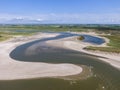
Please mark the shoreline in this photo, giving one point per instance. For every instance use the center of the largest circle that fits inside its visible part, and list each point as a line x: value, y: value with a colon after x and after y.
x: 111, y: 58
x: 74, y: 44
x: 13, y: 70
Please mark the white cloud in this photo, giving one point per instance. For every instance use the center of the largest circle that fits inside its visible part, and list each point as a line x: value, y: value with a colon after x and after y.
x: 62, y: 18
x: 39, y: 19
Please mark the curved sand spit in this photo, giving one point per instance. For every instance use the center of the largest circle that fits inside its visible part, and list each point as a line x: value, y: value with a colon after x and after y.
x: 11, y: 69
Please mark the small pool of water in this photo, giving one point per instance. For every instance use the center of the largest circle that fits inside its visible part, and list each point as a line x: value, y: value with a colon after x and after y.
x: 93, y: 39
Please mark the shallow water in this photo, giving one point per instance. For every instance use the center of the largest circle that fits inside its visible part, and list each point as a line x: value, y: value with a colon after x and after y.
x: 105, y: 77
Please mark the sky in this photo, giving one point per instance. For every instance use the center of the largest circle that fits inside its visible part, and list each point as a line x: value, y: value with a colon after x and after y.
x: 60, y: 11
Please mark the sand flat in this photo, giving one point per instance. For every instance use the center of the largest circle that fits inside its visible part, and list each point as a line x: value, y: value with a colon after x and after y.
x: 11, y: 69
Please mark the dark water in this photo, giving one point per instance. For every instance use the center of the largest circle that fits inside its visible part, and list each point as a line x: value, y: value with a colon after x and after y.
x: 105, y: 76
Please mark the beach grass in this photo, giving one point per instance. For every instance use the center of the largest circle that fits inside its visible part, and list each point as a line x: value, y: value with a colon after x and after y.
x: 4, y: 36
x: 105, y: 49
x: 81, y: 38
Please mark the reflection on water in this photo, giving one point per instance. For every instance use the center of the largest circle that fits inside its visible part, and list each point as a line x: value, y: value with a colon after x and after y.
x: 105, y: 76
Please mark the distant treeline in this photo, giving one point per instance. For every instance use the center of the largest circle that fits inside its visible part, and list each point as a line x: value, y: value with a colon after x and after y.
x: 86, y: 26
x: 103, y: 27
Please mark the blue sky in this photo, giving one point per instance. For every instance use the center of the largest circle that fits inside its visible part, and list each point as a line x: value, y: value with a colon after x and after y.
x: 60, y: 11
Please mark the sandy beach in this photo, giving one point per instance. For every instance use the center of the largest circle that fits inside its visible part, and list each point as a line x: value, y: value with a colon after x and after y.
x: 11, y: 69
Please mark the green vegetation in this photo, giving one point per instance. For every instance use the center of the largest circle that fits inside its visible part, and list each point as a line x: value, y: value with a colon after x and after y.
x: 111, y: 29
x: 6, y: 34
x: 7, y: 31
x: 114, y: 45
x: 41, y: 28
x: 105, y: 49
x: 114, y: 40
x: 4, y: 37
x: 81, y: 38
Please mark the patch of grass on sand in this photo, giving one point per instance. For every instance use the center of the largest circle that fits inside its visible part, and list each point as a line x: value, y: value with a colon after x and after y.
x: 81, y: 38
x: 105, y: 49
x: 114, y: 45
x: 4, y: 37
